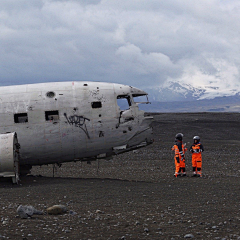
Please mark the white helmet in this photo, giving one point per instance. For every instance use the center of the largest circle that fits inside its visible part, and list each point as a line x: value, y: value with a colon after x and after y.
x: 196, y: 138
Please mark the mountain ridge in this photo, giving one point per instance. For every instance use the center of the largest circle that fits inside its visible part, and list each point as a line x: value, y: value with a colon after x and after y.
x: 218, y: 104
x: 176, y: 91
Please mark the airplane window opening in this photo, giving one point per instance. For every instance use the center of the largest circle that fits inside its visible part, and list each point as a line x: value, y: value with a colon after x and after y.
x: 50, y: 94
x: 96, y: 104
x: 51, y: 115
x: 20, y: 118
x: 124, y: 102
x: 139, y: 98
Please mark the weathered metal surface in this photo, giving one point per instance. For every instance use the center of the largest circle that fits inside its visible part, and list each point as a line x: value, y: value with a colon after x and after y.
x: 89, y: 121
x: 9, y: 156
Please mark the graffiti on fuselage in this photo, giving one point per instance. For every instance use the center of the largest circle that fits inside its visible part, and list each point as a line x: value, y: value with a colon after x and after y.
x: 96, y: 95
x: 78, y: 121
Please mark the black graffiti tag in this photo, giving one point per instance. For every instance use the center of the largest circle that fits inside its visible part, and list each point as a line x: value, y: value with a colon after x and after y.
x: 78, y: 121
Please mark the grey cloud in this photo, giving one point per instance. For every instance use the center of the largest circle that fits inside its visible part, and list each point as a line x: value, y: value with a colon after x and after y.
x: 136, y: 42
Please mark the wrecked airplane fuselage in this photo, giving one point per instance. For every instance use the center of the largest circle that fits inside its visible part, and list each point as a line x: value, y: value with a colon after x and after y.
x: 71, y: 121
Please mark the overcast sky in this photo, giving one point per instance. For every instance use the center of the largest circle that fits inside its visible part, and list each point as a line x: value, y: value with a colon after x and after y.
x: 136, y: 42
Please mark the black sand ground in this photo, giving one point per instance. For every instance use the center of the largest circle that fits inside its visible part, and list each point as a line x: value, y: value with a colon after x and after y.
x: 135, y: 196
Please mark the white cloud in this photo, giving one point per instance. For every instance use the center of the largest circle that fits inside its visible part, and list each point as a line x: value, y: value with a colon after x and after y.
x: 136, y: 42
x: 224, y: 81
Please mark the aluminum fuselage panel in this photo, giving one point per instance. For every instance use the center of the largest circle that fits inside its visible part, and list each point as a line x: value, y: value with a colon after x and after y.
x: 81, y: 120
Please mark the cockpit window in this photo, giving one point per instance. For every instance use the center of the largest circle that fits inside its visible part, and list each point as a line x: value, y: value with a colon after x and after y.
x: 140, y: 98
x: 124, y: 102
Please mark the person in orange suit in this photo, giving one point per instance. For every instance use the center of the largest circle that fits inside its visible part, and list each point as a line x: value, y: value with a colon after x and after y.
x: 179, y: 157
x: 196, y: 149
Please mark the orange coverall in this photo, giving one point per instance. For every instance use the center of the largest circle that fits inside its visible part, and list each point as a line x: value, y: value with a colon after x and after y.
x: 179, y: 158
x: 196, y: 149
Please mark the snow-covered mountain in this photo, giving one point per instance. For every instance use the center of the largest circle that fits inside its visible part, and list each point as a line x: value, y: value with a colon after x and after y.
x: 176, y: 91
x: 182, y: 97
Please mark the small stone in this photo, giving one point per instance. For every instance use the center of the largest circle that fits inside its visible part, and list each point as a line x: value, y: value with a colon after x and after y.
x: 56, y: 209
x: 189, y: 236
x: 146, y: 230
x: 72, y: 213
x: 27, y: 211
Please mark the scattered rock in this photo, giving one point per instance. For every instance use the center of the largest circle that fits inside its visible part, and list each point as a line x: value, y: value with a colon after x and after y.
x: 98, y: 218
x: 146, y: 230
x: 107, y: 190
x: 71, y: 212
x: 56, y: 209
x: 99, y: 211
x: 189, y: 236
x: 27, y: 211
